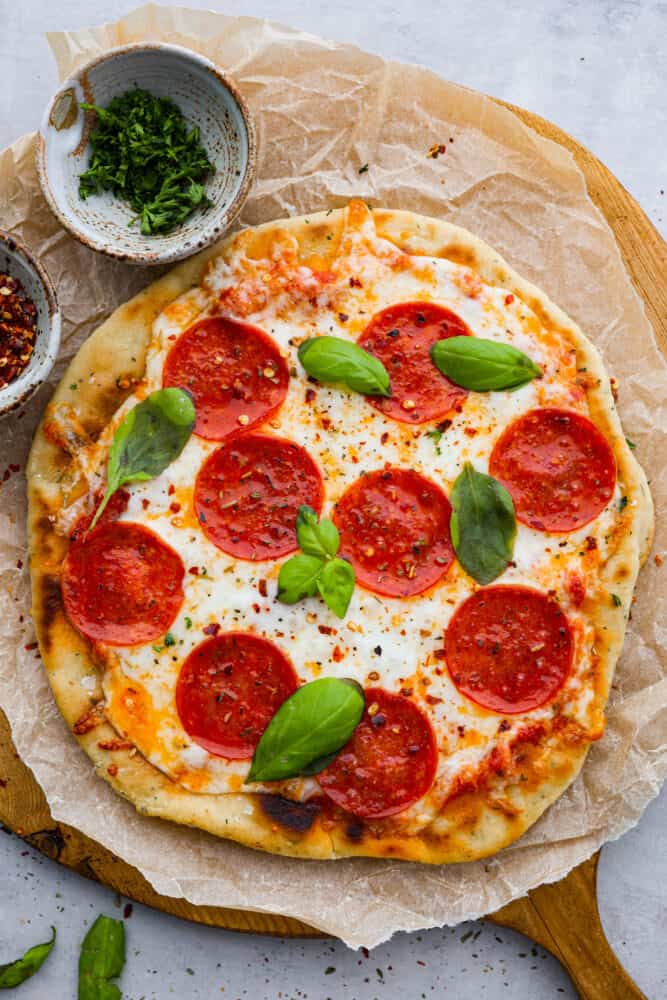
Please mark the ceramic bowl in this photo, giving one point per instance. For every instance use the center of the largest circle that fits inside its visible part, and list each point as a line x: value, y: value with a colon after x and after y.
x: 205, y: 96
x: 17, y: 261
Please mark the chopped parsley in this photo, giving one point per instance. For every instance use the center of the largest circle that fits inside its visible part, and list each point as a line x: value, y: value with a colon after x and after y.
x: 364, y: 169
x: 631, y: 444
x: 616, y: 600
x: 169, y: 640
x: 143, y: 152
x: 188, y: 621
x: 436, y: 436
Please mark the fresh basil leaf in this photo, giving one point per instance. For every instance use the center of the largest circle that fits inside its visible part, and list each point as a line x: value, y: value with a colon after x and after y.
x: 335, y: 584
x: 102, y: 958
x: 151, y: 436
x: 483, y: 365
x: 314, y: 722
x: 332, y: 359
x: 483, y: 524
x: 298, y: 578
x: 318, y: 765
x: 316, y: 538
x: 15, y: 973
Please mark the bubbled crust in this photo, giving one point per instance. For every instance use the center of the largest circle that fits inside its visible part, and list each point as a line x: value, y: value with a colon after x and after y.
x: 473, y: 824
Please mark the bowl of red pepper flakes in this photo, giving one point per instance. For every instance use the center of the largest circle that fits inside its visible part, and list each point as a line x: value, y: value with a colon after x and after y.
x: 29, y: 324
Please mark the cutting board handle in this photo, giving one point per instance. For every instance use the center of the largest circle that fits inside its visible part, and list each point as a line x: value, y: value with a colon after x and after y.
x: 564, y: 918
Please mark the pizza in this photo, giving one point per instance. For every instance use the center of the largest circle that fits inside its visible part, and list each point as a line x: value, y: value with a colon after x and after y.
x: 366, y: 593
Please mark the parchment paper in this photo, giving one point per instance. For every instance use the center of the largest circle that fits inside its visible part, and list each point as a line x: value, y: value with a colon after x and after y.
x: 323, y: 111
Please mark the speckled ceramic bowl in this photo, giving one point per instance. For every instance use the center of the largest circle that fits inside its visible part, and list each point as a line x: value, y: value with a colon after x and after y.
x: 205, y: 97
x: 17, y: 261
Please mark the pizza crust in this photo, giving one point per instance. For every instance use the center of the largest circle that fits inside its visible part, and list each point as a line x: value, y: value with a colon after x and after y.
x: 471, y: 825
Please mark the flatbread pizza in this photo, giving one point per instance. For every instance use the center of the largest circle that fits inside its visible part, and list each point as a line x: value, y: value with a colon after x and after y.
x: 334, y: 533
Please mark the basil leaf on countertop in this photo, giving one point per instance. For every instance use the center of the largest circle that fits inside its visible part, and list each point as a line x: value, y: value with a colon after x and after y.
x: 336, y: 585
x: 483, y: 365
x: 483, y: 524
x: 102, y: 958
x: 332, y: 359
x: 314, y: 722
x: 14, y: 973
x: 316, y: 538
x: 316, y: 569
x: 298, y: 578
x: 150, y: 437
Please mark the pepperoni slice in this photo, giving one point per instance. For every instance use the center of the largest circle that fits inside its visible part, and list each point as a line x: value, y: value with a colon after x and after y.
x: 394, y: 529
x: 248, y: 494
x: 233, y: 370
x: 509, y: 648
x: 121, y: 584
x: 389, y: 762
x: 401, y: 338
x: 558, y: 468
x: 229, y: 689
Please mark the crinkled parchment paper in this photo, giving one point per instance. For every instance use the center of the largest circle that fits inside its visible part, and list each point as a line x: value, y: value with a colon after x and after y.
x: 323, y: 111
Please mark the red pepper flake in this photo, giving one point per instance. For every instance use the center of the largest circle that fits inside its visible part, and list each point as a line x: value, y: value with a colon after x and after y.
x: 112, y: 770
x: 171, y: 490
x: 355, y: 283
x: 384, y: 437
x: 19, y: 564
x: 343, y: 317
x: 432, y: 700
x: 470, y: 432
x: 591, y: 543
x: 194, y: 571
x: 145, y: 503
x: 18, y: 330
x: 261, y: 586
x: 31, y: 646
x: 657, y: 559
x: 211, y: 629
x: 14, y: 468
x: 116, y: 744
x: 5, y: 475
x: 325, y: 629
x: 337, y: 654
x: 310, y: 395
x: 509, y: 299
x: 174, y: 507
x: 438, y: 149
x: 439, y: 654
x: 127, y: 912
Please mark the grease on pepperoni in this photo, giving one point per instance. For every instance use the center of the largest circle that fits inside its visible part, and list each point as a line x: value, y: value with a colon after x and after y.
x: 401, y: 338
x: 234, y: 372
x: 229, y: 689
x: 509, y: 648
x: 394, y: 529
x: 121, y: 584
x: 558, y: 468
x: 388, y: 764
x: 248, y: 494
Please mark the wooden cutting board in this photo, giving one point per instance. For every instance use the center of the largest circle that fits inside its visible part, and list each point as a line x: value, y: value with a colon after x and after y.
x: 563, y: 917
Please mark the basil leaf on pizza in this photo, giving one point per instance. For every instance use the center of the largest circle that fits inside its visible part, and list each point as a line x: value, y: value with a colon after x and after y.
x: 483, y: 524
x: 316, y: 569
x: 333, y: 360
x: 316, y: 538
x: 335, y: 584
x: 102, y: 958
x: 483, y: 365
x: 14, y: 973
x: 298, y: 578
x: 312, y: 724
x: 150, y: 437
